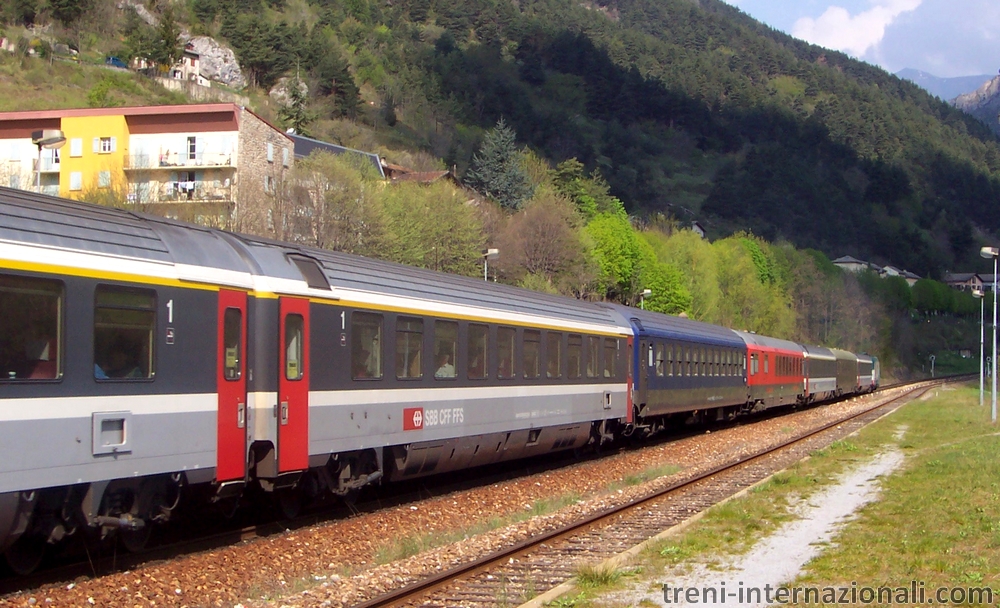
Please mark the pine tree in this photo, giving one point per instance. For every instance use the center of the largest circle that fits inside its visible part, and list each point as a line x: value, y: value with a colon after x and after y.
x: 295, y: 113
x: 496, y: 170
x: 167, y: 48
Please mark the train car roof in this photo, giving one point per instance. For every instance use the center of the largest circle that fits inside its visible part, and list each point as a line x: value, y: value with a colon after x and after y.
x: 657, y: 325
x: 843, y: 354
x: 758, y: 340
x: 346, y: 271
x: 211, y: 255
x: 47, y: 221
x: 818, y: 352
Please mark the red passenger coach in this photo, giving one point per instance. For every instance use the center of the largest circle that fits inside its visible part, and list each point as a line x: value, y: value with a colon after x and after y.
x: 774, y: 371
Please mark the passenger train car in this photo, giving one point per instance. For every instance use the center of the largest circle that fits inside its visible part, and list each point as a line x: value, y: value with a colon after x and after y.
x: 141, y: 358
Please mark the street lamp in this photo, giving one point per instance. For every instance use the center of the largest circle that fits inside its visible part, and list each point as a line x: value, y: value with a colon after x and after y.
x: 50, y: 139
x: 982, y: 338
x: 993, y: 252
x: 642, y: 298
x: 489, y: 254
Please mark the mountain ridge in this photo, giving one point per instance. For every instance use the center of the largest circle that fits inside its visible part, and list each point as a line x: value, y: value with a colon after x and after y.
x: 946, y: 88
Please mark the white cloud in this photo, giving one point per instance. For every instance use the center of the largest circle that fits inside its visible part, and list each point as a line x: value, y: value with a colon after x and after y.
x: 838, y: 29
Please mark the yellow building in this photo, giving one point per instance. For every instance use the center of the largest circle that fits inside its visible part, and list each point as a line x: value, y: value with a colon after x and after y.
x: 191, y: 162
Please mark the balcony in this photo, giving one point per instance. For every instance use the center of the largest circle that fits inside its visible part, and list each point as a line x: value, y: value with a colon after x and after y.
x: 194, y: 192
x: 49, y: 165
x: 175, y: 161
x: 51, y: 190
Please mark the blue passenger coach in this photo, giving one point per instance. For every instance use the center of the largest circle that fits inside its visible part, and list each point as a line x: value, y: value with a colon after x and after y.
x: 680, y: 365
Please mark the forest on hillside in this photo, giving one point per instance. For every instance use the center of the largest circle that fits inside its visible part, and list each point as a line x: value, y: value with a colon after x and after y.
x: 620, y: 122
x: 690, y: 109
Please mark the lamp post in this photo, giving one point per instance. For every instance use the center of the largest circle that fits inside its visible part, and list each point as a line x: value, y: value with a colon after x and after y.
x: 982, y: 338
x: 489, y: 254
x: 642, y: 298
x: 993, y: 252
x: 50, y: 139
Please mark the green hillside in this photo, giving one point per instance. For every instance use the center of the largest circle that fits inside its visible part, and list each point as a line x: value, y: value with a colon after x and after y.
x: 687, y: 108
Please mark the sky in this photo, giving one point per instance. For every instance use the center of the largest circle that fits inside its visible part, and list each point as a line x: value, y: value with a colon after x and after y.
x: 946, y: 38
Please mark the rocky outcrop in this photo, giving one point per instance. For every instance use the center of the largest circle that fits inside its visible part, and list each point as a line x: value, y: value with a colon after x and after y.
x: 141, y: 10
x: 279, y: 93
x: 218, y: 62
x: 983, y: 103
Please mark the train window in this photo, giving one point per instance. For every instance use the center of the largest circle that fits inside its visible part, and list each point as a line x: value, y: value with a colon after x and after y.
x: 232, y: 339
x: 478, y: 351
x: 505, y: 346
x: 574, y: 354
x: 532, y: 348
x: 30, y: 334
x: 670, y: 359
x: 686, y: 364
x: 660, y: 361
x: 445, y: 348
x: 753, y: 364
x: 409, y: 344
x: 366, y: 345
x: 610, y: 353
x: 553, y: 355
x: 294, y: 338
x: 767, y: 359
x: 593, y: 353
x: 124, y: 322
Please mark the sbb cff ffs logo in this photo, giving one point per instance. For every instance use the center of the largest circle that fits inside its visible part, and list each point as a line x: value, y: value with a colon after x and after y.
x: 413, y: 418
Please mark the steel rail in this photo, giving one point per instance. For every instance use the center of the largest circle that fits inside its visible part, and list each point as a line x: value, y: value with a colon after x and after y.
x: 413, y: 591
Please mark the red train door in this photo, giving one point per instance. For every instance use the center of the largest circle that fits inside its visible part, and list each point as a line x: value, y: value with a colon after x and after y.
x: 293, y: 385
x: 232, y: 386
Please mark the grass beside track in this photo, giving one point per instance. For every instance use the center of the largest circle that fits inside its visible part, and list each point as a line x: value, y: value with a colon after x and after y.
x: 937, y: 519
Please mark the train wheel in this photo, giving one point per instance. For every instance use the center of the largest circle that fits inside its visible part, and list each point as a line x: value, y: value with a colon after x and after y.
x: 25, y: 555
x: 289, y: 502
x: 351, y: 497
x: 135, y: 540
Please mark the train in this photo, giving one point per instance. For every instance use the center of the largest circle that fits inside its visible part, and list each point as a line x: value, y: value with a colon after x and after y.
x: 143, y: 359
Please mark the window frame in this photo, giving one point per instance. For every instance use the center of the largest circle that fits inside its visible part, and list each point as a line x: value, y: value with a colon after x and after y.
x: 59, y: 294
x: 355, y: 346
x: 401, y: 319
x: 153, y: 310
x: 553, y: 338
x: 531, y: 337
x: 484, y: 353
x: 504, y: 331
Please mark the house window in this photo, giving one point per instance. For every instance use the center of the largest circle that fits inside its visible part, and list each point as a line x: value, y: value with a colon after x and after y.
x: 284, y: 156
x: 104, y: 179
x: 104, y: 145
x: 192, y: 148
x: 270, y: 152
x: 268, y: 184
x: 76, y: 147
x: 76, y: 180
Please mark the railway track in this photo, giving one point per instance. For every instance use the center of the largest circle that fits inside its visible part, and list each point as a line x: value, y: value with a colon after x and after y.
x: 517, y: 573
